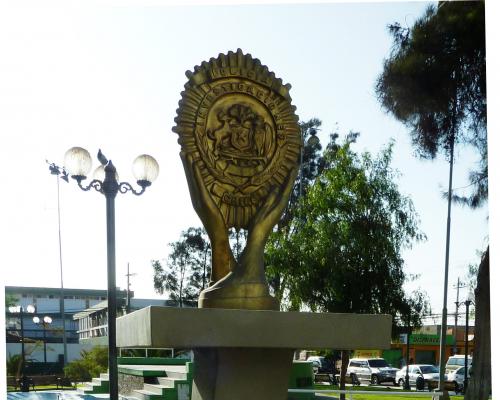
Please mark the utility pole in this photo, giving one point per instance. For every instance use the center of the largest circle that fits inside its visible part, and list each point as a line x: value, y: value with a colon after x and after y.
x: 128, y: 286
x: 458, y: 286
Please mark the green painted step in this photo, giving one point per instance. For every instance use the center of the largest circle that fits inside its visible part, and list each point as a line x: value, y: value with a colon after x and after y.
x: 97, y: 386
x: 143, y: 394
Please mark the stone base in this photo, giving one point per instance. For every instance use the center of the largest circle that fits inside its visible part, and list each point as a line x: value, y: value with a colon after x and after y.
x: 241, y: 373
x: 230, y: 294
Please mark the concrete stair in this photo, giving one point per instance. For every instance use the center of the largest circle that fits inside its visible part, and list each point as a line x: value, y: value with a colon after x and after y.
x: 175, y: 386
x: 97, y: 386
x: 143, y: 394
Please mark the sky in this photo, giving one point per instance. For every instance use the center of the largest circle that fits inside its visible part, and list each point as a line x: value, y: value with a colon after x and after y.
x: 110, y: 77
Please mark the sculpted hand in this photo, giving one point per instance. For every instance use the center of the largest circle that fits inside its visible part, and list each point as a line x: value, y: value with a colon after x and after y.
x: 222, y: 257
x: 252, y: 260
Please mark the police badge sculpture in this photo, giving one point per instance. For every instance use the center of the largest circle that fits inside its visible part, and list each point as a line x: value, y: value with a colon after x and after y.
x: 240, y: 146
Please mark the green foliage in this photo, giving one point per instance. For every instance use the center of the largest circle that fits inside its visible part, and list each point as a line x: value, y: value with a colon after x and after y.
x: 435, y: 83
x: 10, y: 300
x: 341, y: 252
x: 14, y: 365
x: 92, y: 363
x: 187, y: 268
x: 77, y: 371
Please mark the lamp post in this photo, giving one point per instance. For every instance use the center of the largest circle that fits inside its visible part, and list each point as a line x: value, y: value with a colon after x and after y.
x: 46, y: 321
x: 60, y: 172
x: 77, y: 162
x: 407, y: 376
x: 21, y: 311
x: 467, y: 303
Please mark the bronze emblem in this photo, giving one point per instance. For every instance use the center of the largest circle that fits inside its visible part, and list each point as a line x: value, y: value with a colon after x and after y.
x: 240, y: 145
x: 237, y: 117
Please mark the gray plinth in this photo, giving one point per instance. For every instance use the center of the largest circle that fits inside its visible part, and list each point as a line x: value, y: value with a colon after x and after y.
x: 247, y: 355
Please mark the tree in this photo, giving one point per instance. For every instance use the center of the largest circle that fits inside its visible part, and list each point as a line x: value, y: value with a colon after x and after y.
x: 10, y: 300
x: 435, y: 83
x: 92, y: 363
x: 312, y: 165
x: 479, y: 386
x: 15, y: 362
x: 187, y: 267
x: 341, y: 252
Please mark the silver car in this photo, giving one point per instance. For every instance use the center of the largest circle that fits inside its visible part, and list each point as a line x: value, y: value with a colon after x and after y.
x: 457, y: 378
x: 373, y: 370
x: 427, y: 371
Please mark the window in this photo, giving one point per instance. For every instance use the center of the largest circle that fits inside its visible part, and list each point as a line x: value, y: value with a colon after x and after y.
x: 429, y: 369
x: 378, y: 363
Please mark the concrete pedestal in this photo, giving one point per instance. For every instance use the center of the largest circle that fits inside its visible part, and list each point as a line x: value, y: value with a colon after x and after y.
x: 244, y: 354
x: 243, y: 374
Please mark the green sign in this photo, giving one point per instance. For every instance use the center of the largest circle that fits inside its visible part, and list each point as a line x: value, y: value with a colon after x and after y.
x: 429, y: 340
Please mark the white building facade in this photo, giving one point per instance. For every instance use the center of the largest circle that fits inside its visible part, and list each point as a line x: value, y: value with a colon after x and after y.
x: 45, y: 344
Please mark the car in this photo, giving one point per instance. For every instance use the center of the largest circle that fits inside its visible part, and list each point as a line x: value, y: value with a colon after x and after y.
x: 320, y: 364
x: 457, y: 361
x: 456, y: 377
x: 373, y: 370
x: 428, y: 372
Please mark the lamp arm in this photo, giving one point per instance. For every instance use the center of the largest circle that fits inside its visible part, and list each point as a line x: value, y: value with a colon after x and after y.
x: 124, y: 187
x: 96, y: 184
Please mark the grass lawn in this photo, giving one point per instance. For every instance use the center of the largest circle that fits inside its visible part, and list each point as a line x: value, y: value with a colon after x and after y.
x: 399, y: 397
x: 398, y: 394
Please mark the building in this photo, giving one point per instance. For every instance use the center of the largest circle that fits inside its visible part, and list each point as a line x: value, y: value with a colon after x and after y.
x: 425, y: 344
x: 48, y: 343
x: 92, y: 323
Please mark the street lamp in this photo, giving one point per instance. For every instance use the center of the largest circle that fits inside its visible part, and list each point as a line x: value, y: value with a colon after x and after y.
x: 78, y: 163
x: 21, y: 311
x: 46, y: 321
x: 467, y: 302
x: 407, y: 376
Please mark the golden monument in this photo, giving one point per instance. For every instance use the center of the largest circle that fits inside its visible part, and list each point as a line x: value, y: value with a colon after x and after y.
x: 240, y: 146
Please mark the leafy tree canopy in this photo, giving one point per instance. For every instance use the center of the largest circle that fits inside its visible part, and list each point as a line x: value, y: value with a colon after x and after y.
x: 187, y: 268
x: 342, y: 250
x: 434, y: 81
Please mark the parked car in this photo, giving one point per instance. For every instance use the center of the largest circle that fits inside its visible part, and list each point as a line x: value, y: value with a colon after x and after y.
x: 456, y: 377
x: 415, y: 371
x: 321, y: 365
x: 373, y: 370
x: 457, y: 361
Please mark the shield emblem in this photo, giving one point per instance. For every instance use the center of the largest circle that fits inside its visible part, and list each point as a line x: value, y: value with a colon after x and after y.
x: 241, y: 138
